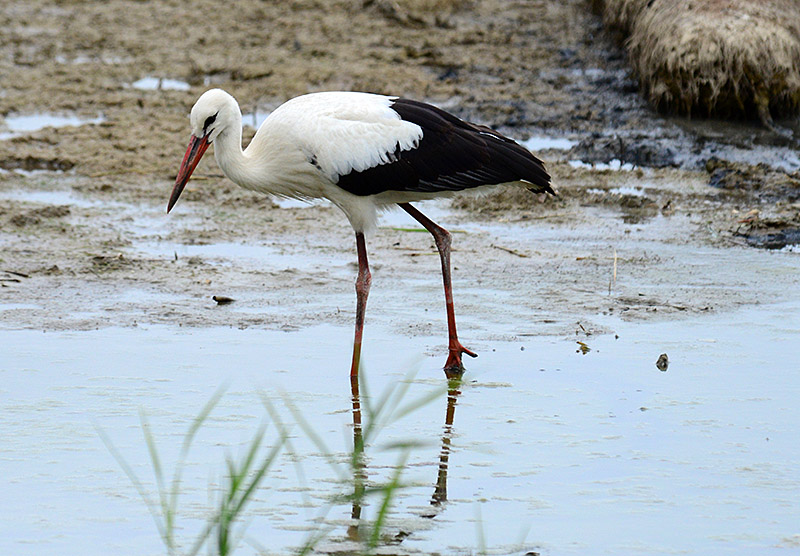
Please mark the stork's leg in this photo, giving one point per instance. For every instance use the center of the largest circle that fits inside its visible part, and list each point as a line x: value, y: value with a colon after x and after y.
x: 453, y: 366
x: 363, y: 281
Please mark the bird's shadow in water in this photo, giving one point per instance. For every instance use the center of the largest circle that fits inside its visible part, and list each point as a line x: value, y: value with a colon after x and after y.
x: 439, y: 497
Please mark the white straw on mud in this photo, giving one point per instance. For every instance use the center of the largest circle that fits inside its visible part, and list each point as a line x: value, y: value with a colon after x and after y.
x: 613, y: 280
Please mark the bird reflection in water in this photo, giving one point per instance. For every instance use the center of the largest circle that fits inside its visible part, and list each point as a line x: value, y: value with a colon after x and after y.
x: 359, y: 471
x: 440, y: 492
x: 439, y: 496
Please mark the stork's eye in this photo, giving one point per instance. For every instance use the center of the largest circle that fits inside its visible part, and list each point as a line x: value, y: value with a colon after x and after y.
x: 210, y: 120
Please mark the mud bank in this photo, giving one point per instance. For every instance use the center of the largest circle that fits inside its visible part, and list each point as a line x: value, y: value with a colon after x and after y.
x: 82, y: 197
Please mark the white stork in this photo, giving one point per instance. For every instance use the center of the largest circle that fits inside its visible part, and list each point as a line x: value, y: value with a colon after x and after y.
x: 364, y: 152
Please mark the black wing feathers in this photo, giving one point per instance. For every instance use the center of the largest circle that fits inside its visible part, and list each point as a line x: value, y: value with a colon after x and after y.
x: 452, y: 155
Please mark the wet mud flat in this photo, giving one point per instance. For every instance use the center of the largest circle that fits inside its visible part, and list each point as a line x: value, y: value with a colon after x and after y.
x: 668, y: 237
x: 95, y: 125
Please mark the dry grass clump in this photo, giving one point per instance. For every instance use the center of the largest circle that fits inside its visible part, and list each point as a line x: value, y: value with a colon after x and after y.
x: 727, y: 58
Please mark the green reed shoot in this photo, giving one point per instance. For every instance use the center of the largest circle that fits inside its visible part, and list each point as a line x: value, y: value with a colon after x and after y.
x: 386, y: 409
x: 242, y: 480
x: 244, y: 475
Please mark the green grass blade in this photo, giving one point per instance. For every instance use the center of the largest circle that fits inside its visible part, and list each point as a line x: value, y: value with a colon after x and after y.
x: 479, y: 530
x: 389, y: 491
x: 256, y: 480
x: 294, y: 457
x: 166, y: 514
x: 202, y: 537
x: 134, y: 479
x: 243, y: 483
x: 419, y: 402
x: 315, y: 439
x: 197, y: 422
x: 313, y: 540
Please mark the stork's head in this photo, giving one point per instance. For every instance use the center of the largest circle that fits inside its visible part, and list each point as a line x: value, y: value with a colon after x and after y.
x: 213, y: 112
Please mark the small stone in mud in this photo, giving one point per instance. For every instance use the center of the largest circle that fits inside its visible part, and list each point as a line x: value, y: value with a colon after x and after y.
x: 662, y: 363
x: 222, y: 300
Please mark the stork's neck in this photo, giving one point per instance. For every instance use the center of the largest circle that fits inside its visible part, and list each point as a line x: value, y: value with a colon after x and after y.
x: 238, y: 167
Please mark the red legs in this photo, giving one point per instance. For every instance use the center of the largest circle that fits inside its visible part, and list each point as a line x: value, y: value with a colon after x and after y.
x: 363, y: 281
x: 453, y: 366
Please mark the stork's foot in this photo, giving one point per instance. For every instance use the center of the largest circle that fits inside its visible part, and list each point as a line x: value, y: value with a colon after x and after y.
x: 454, y: 368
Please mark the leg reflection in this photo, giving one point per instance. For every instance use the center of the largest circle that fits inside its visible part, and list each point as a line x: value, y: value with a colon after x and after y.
x: 359, y: 473
x: 359, y: 466
x: 440, y: 492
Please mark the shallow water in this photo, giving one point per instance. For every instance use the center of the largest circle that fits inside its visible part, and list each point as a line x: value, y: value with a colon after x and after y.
x: 552, y: 450
x: 50, y: 197
x: 254, y: 119
x: 614, y: 164
x: 28, y: 123
x: 540, y: 143
x: 160, y: 84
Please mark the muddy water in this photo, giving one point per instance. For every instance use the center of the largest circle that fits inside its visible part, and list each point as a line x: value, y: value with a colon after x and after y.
x: 28, y: 123
x: 552, y: 450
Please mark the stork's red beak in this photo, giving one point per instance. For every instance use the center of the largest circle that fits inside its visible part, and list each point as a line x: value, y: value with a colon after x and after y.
x: 197, y: 146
